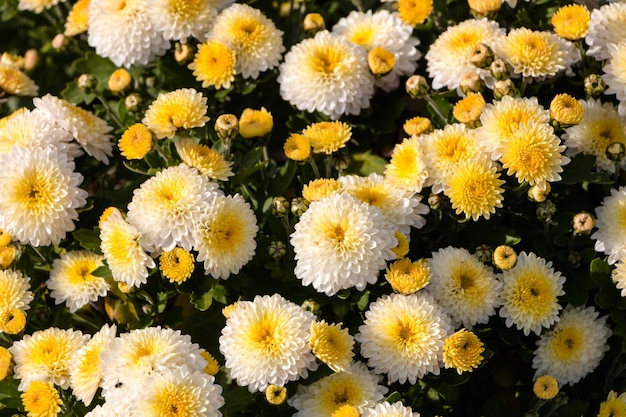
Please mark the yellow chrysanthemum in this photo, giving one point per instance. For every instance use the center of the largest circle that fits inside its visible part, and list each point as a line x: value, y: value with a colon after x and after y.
x: 275, y: 394
x: 177, y: 265
x: 212, y: 366
x: 6, y: 363
x: 297, y: 147
x: 407, y: 168
x: 7, y: 256
x: 41, y: 399
x: 565, y: 110
x: 417, y: 125
x: 463, y: 351
x: 206, y: 160
x: 321, y: 187
x: 487, y: 8
x: 468, y: 109
x: 614, y: 406
x: 504, y: 257
x: 328, y: 137
x: 255, y: 123
x: 414, y: 12
x: 407, y: 277
x: 571, y: 21
x: 546, y: 387
x: 5, y: 237
x: 36, y: 6
x: 332, y: 345
x: 12, y: 320
x: 214, y: 64
x: 346, y: 410
x: 78, y: 18
x: 403, y: 245
x: 14, y: 81
x: 119, y: 81
x: 381, y: 61
x: 180, y: 109
x: 135, y: 142
x: 10, y: 59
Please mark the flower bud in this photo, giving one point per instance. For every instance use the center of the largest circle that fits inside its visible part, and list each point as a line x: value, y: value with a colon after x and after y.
x: 537, y: 193
x: 119, y: 81
x: 545, y: 211
x: 227, y: 126
x: 275, y: 394
x: 546, y: 387
x: 255, y: 123
x: 280, y: 206
x: 313, y: 23
x: 504, y: 88
x: 312, y: 306
x: 574, y: 258
x: 565, y: 111
x: 594, y: 85
x: 484, y: 8
x: 417, y: 86
x: 481, y: 55
x: 381, y: 61
x: 583, y: 223
x: 500, y: 69
x: 184, y: 53
x: 87, y: 82
x: 277, y: 249
x: 437, y: 201
x: 6, y: 363
x: 615, y: 151
x: 7, y: 256
x: 58, y: 41
x: 341, y: 160
x: 132, y: 102
x: 483, y: 253
x: 298, y: 206
x: 418, y: 125
x: 471, y: 83
x: 504, y: 257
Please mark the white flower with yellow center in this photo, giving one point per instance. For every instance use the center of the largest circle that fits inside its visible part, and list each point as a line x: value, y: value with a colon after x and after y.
x: 181, y: 19
x: 386, y: 409
x: 615, y: 74
x: 37, y: 6
x: 266, y: 341
x: 574, y: 347
x: 530, y: 292
x: 208, y: 161
x: 40, y: 195
x: 327, y: 73
x: 607, y: 26
x: 611, y: 223
x: 403, y: 336
x: 14, y: 81
x: 332, y: 345
x: 14, y: 290
x: 407, y: 168
x: 184, y: 108
x: 341, y: 242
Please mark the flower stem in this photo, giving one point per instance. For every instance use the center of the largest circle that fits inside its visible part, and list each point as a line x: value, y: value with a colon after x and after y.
x: 435, y: 107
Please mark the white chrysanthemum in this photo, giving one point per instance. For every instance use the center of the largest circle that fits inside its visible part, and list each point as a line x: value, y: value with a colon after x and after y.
x: 383, y: 29
x: 108, y: 409
x: 341, y: 242
x: 46, y: 355
x: 403, y: 336
x: 132, y: 357
x: 573, y: 347
x: 180, y: 19
x: 124, y: 254
x: 184, y: 108
x: 225, y: 234
x: 122, y: 31
x: 448, y: 58
x: 607, y: 26
x: 407, y: 168
x: 463, y: 286
x: 90, y: 131
x: 37, y: 6
x: 86, y: 368
x: 266, y: 341
x: 530, y: 292
x: 40, y: 195
x: 327, y: 73
x: 386, y: 409
x: 166, y: 207
x: 611, y: 223
x: 357, y: 387
x: 403, y: 209
x: 71, y: 281
x: 14, y: 290
x: 618, y: 276
x: 615, y: 74
x: 179, y: 392
x: 600, y: 126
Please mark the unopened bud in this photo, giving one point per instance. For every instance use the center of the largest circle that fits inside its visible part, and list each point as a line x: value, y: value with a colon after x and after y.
x: 537, y: 193
x: 417, y: 86
x: 313, y: 23
x: 227, y: 126
x: 504, y: 257
x: 298, y: 206
x: 277, y: 249
x: 484, y: 8
x: 583, y: 223
x: 545, y: 211
x: 500, y: 69
x: 481, y: 55
x: 31, y: 59
x: 615, y: 151
x: 341, y: 160
x: 381, y: 61
x: 312, y: 306
x: 87, y: 82
x: 471, y: 83
x: 483, y: 253
x: 58, y: 41
x: 437, y: 201
x: 594, y: 85
x: 504, y: 88
x: 280, y: 206
x: 119, y: 81
x: 132, y: 102
x: 184, y: 53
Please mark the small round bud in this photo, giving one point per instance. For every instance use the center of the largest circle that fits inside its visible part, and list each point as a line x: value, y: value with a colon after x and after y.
x: 227, y: 126
x: 504, y: 88
x: 184, y: 53
x: 437, y: 201
x: 120, y: 81
x: 7, y: 256
x: 12, y: 320
x: 299, y: 205
x: 538, y: 194
x: 483, y: 253
x: 6, y: 363
x: 583, y: 223
x: 574, y: 258
x: 341, y: 160
x: 31, y: 59
x: 615, y: 151
x: 132, y: 102
x: 594, y: 85
x: 255, y: 123
x: 275, y: 394
x: 381, y: 61
x: 58, y: 41
x: 87, y: 82
x: 471, y: 83
x: 565, y: 111
x: 311, y: 306
x: 481, y: 55
x: 277, y: 249
x: 484, y: 8
x: 546, y: 387
x: 418, y: 125
x: 313, y: 23
x: 500, y: 69
x: 504, y: 257
x: 417, y: 86
x: 280, y: 206
x: 545, y: 211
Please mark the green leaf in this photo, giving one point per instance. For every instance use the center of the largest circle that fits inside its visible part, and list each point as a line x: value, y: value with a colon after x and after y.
x: 393, y: 397
x: 220, y: 293
x: 202, y: 301
x: 102, y: 271
x: 363, y: 301
x: 281, y: 182
x: 9, y: 395
x: 88, y: 239
x: 366, y: 163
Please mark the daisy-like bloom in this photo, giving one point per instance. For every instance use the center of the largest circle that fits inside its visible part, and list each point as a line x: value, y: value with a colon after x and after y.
x: 214, y: 64
x: 463, y: 286
x: 90, y: 131
x: 600, y: 126
x: 571, y: 21
x: 181, y: 19
x: 607, y: 26
x: 123, y: 31
x: 615, y: 74
x: 327, y: 137
x: 407, y: 277
x: 530, y: 292
x: 536, y: 54
x: 166, y: 207
x: 468, y: 109
x: 255, y: 123
x: 36, y: 6
x: 136, y: 142
x: 78, y: 18
x: 14, y: 81
x: 257, y: 43
x: 41, y: 195
x: 41, y: 399
x: 341, y: 242
x: 14, y: 290
x: 122, y: 250
x: 533, y: 153
x: 417, y: 125
x: 12, y: 320
x: 357, y: 387
x: 614, y: 406
x: 321, y: 187
x: 448, y: 58
x: 403, y: 336
x: 266, y: 341
x: 380, y: 61
x: 407, y: 167
x: 327, y: 73
x: 611, y: 224
x: 618, y: 276
x: 71, y: 281
x: 179, y: 392
x: 462, y: 351
x: 574, y: 346
x: 85, y: 368
x: 177, y: 265
x: 46, y: 355
x: 332, y: 345
x: 206, y: 160
x: 474, y: 188
x: 546, y: 387
x: 504, y: 257
x: 565, y: 110
x: 224, y: 236
x: 275, y: 394
x: 382, y: 29
x: 413, y: 12
x: 385, y: 409
x: 297, y: 147
x: 184, y: 108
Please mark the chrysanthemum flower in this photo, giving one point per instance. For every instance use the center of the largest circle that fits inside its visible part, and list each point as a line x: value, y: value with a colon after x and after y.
x: 332, y: 345
x: 571, y: 21
x: 123, y: 31
x: 385, y: 409
x: 184, y: 108
x: 414, y: 12
x: 357, y: 387
x: 41, y: 399
x: 224, y: 236
x: 402, y: 248
x: 177, y: 265
x: 12, y: 320
x: 607, y: 26
x: 504, y: 257
x: 14, y: 290
x: 615, y: 74
x: 78, y: 18
x: 166, y: 207
x: 206, y: 160
x: 6, y: 363
x: 341, y: 242
x: 40, y: 195
x: 327, y: 137
x: 275, y: 394
x: 257, y: 43
x: 618, y: 276
x: 407, y: 277
x: 485, y: 8
x: 214, y: 64
x: 14, y: 81
x: 326, y: 73
x: 530, y: 292
x: 600, y: 126
x: 36, y: 6
x: 255, y: 123
x: 614, y: 406
x: 381, y: 61
x: 403, y: 336
x: 407, y: 168
x: 417, y: 125
x: 448, y: 57
x: 90, y: 131
x: 319, y: 188
x: 266, y: 341
x: 181, y: 19
x: 71, y: 281
x: 136, y: 142
x: 574, y: 346
x: 565, y: 110
x: 611, y: 223
x: 462, y: 351
x: 124, y: 254
x: 546, y: 387
x: 297, y: 147
x: 212, y: 367
x: 46, y: 355
x: 468, y: 109
x: 85, y: 368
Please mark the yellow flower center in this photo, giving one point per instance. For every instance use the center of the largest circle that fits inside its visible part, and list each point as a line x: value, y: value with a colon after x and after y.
x: 41, y: 399
x: 533, y: 294
x: 184, y: 9
x: 173, y: 401
x: 341, y: 391
x: 267, y: 335
x: 177, y: 265
x: 567, y: 343
x: 414, y: 12
x: 362, y: 35
x: 12, y: 321
x: 36, y: 192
